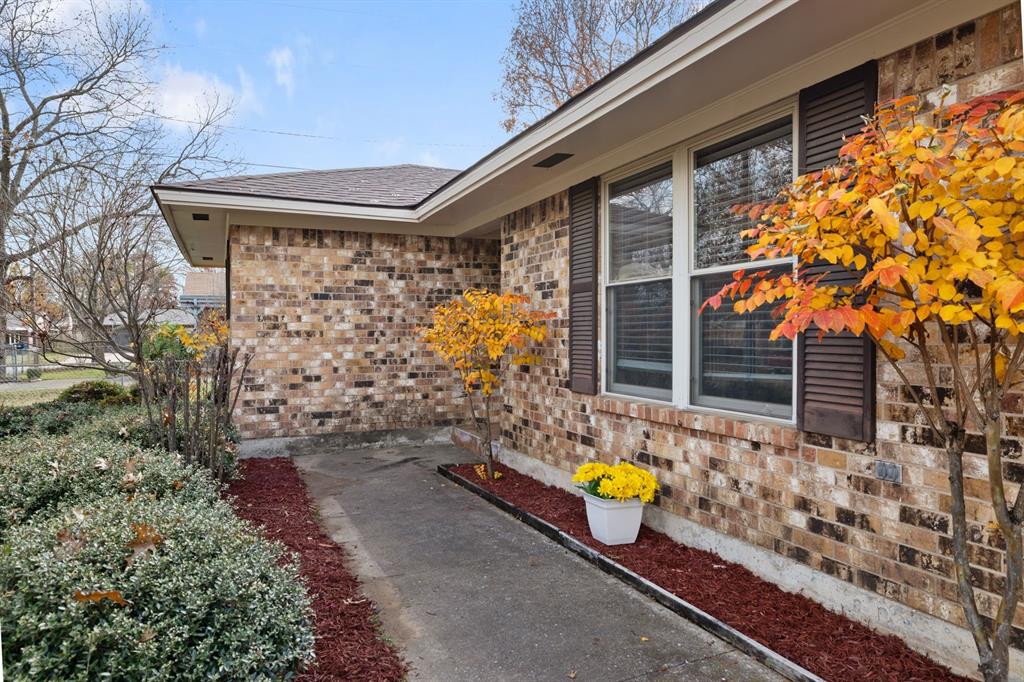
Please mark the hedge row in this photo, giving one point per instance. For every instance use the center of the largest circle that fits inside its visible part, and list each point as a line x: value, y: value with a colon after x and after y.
x: 117, y: 561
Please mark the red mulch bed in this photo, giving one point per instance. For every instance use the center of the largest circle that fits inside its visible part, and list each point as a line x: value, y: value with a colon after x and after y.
x: 348, y: 645
x: 828, y: 644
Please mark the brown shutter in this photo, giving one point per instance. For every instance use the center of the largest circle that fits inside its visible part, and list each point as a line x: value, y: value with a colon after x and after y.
x: 836, y: 375
x: 583, y: 287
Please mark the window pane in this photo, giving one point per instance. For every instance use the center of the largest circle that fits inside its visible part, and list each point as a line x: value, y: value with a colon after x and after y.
x: 640, y: 317
x: 747, y: 169
x: 736, y: 366
x: 640, y: 225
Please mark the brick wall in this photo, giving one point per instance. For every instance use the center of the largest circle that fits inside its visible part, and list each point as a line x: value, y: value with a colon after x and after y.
x: 331, y: 317
x: 975, y: 58
x: 811, y: 498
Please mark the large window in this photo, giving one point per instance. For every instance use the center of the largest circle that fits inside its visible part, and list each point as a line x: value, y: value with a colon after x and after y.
x: 732, y: 364
x: 639, y: 296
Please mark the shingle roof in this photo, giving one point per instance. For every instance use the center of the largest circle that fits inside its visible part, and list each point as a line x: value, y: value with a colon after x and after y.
x: 386, y: 186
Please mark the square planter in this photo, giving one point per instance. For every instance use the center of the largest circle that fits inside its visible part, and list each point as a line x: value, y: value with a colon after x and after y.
x: 613, y: 522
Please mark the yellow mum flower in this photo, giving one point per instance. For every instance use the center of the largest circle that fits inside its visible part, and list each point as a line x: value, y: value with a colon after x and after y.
x: 622, y: 481
x: 590, y: 471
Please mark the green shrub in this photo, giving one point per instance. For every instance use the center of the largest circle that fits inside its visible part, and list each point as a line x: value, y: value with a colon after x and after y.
x: 120, y: 423
x: 92, y: 392
x: 16, y: 420
x: 43, y: 476
x: 33, y: 373
x: 202, y: 599
x: 52, y: 418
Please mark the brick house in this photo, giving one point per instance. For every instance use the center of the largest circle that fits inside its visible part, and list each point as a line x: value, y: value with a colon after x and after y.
x: 805, y: 462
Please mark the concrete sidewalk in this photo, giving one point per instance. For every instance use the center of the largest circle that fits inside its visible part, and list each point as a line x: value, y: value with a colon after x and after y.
x: 470, y: 594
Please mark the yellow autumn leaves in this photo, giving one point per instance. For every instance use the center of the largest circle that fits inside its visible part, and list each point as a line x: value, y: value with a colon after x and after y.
x: 475, y: 333
x: 924, y: 217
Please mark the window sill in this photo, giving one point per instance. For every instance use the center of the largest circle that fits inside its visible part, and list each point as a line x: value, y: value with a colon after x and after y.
x: 772, y: 432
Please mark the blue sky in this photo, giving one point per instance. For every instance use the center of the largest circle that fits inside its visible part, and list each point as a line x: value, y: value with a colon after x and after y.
x: 387, y: 82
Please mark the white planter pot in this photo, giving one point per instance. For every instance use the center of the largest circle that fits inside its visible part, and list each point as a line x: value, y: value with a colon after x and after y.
x: 613, y: 522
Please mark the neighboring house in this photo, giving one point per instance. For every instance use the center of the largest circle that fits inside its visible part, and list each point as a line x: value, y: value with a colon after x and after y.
x: 611, y: 212
x: 122, y: 337
x: 203, y: 291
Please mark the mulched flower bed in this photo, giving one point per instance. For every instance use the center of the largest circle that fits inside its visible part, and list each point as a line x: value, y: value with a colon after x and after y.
x: 828, y: 644
x: 271, y: 493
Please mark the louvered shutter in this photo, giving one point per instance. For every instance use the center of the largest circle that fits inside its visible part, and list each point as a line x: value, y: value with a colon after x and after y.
x: 836, y: 374
x: 583, y: 287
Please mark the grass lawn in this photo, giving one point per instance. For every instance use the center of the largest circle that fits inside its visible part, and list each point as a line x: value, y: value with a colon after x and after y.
x: 72, y: 373
x: 19, y: 398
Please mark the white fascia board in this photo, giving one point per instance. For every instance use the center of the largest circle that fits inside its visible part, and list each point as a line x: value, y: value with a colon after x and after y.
x: 176, y: 197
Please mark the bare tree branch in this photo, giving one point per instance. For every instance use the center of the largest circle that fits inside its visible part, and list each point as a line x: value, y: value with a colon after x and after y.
x: 559, y: 47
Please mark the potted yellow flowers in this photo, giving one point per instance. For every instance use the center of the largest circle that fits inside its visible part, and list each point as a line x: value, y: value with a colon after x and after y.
x: 615, y: 497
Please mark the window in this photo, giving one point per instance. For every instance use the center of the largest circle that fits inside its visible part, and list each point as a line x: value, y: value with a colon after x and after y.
x: 732, y: 364
x: 639, y: 295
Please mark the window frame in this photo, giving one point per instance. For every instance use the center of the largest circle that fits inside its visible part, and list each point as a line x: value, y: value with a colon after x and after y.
x: 683, y: 275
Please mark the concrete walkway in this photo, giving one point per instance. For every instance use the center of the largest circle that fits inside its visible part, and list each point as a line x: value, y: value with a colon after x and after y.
x: 470, y: 594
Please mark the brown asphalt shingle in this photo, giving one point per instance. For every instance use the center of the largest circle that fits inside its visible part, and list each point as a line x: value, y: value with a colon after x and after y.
x: 386, y: 186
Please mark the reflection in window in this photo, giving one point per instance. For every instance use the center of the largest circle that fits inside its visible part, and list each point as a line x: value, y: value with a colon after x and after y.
x: 640, y: 225
x: 749, y: 169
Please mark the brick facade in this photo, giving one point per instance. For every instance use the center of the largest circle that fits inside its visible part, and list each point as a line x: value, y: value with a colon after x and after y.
x: 331, y: 319
x: 813, y: 499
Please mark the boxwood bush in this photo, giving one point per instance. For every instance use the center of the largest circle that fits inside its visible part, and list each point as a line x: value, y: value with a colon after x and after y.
x: 127, y: 424
x: 146, y: 588
x: 52, y: 418
x: 94, y: 392
x: 45, y: 475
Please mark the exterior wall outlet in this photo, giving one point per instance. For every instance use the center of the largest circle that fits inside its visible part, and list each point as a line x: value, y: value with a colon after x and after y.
x: 888, y: 471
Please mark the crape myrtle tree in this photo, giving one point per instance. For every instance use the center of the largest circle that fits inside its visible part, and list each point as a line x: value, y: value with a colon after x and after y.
x: 480, y: 334
x: 925, y: 214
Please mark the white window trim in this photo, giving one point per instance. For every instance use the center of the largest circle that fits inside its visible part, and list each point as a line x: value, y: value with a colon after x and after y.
x: 682, y: 273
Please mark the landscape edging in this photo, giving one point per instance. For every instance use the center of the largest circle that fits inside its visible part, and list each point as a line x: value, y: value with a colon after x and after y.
x: 702, y: 619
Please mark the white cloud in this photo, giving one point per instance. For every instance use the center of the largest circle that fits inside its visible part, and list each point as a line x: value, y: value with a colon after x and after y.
x: 431, y: 159
x: 200, y: 27
x: 182, y: 96
x: 283, y: 61
x: 390, y: 147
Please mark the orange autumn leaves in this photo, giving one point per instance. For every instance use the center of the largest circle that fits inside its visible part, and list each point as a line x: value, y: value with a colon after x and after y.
x: 144, y: 541
x: 925, y: 216
x: 474, y: 333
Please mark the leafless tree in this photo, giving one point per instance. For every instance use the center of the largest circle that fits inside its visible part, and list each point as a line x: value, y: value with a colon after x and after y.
x: 97, y: 290
x: 80, y: 144
x: 559, y: 47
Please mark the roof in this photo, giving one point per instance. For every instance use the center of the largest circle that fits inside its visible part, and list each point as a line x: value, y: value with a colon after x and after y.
x: 204, y: 284
x: 172, y: 316
x: 399, y: 186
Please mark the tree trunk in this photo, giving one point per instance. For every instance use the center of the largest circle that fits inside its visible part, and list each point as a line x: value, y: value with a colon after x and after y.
x: 489, y: 446
x: 997, y: 667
